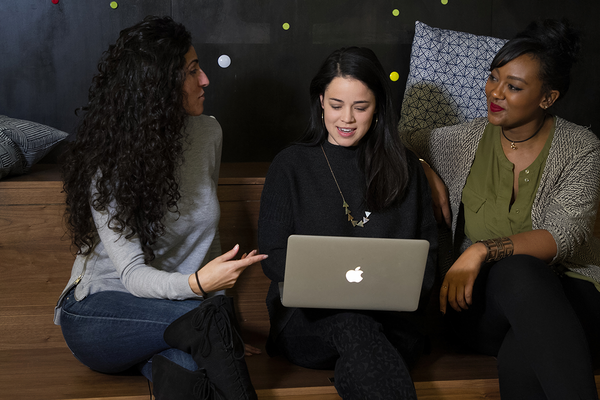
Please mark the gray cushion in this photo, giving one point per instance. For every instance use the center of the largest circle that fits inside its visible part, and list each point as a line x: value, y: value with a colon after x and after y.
x: 11, y: 160
x: 23, y: 143
x: 446, y: 82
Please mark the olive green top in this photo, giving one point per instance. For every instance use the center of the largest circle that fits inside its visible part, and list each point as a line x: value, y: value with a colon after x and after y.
x: 488, y: 191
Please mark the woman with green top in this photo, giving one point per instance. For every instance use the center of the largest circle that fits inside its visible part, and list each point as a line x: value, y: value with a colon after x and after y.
x: 520, y: 192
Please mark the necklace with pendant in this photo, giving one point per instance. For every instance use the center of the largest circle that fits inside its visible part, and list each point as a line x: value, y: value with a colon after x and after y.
x: 512, y: 142
x: 354, y: 222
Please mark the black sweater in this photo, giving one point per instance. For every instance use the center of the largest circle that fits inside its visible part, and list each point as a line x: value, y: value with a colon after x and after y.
x: 300, y: 197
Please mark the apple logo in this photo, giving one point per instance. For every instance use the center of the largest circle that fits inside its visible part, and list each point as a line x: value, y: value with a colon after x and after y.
x: 354, y: 275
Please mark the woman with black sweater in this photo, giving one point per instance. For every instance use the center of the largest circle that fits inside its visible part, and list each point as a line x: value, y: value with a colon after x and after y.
x: 350, y: 162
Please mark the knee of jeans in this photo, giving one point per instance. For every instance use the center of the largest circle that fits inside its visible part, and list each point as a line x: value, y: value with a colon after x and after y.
x: 177, y: 356
x: 180, y: 358
x: 517, y: 277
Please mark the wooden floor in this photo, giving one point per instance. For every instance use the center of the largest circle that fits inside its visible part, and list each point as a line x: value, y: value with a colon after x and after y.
x: 437, y: 377
x: 484, y: 389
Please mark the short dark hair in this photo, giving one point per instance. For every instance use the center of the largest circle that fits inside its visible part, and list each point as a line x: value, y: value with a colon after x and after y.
x: 555, y: 43
x: 381, y: 153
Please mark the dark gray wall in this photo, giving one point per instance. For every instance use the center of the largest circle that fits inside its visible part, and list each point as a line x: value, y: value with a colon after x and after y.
x: 48, y: 54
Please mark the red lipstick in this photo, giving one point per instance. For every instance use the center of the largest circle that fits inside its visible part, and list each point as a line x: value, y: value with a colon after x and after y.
x: 495, y: 108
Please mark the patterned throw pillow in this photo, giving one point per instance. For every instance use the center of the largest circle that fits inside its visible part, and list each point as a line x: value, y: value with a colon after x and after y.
x: 446, y: 82
x: 11, y: 160
x: 23, y: 143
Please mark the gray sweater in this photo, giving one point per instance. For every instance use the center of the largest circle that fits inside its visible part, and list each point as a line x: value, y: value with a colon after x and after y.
x: 566, y: 201
x: 191, y: 237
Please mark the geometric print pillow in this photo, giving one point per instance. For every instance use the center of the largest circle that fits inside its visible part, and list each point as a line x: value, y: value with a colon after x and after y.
x: 446, y: 81
x: 11, y: 159
x: 23, y: 143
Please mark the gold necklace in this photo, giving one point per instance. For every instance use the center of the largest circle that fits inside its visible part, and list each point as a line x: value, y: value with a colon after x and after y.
x: 345, y: 205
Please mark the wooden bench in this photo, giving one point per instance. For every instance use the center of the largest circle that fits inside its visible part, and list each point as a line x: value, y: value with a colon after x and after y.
x: 35, y: 263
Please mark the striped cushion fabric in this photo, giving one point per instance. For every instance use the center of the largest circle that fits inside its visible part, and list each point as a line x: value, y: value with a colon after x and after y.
x: 23, y: 143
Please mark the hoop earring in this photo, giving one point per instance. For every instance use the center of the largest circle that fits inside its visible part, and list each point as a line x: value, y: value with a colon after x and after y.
x: 376, y: 121
x: 323, y: 117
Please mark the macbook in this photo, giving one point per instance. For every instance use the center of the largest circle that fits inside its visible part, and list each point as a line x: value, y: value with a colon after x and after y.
x: 353, y: 273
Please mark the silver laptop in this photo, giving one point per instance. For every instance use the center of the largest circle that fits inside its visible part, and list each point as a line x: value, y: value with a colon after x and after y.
x: 353, y: 273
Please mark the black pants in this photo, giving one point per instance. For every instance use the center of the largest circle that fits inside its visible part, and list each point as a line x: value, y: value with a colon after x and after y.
x: 364, y: 348
x: 538, y: 325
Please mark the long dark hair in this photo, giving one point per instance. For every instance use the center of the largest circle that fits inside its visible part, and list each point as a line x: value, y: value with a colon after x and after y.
x: 554, y: 43
x: 129, y: 144
x: 382, y: 155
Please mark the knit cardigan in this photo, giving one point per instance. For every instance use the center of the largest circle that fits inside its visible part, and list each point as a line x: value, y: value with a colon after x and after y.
x: 567, y: 197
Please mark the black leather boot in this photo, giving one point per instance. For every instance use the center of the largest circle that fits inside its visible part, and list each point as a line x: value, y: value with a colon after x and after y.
x: 173, y: 382
x: 211, y: 335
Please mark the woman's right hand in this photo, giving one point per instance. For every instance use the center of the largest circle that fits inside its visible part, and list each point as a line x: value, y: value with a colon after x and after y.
x: 439, y: 196
x: 223, y: 272
x: 457, y: 287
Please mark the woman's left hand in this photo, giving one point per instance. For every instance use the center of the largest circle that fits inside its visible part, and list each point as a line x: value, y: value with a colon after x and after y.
x: 457, y: 287
x: 251, y: 350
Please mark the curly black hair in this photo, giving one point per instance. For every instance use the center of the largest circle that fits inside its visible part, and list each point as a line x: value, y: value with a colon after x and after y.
x: 129, y: 146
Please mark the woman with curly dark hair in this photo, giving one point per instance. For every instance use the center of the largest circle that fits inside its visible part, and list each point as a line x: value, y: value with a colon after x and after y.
x: 140, y: 179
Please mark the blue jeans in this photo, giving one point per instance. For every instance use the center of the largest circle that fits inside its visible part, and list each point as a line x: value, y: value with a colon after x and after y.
x: 111, y: 331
